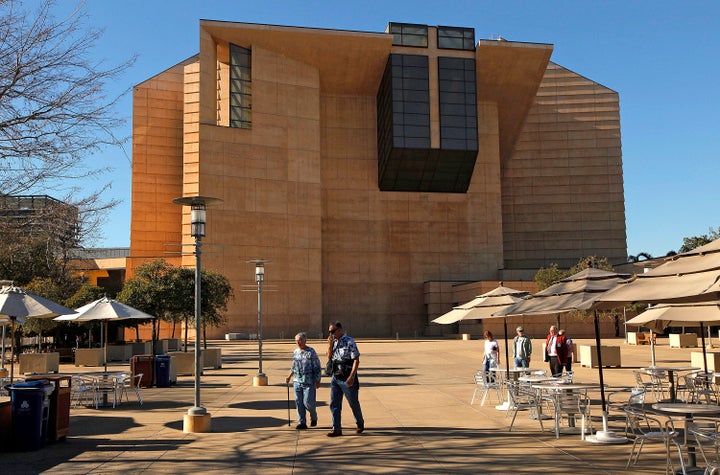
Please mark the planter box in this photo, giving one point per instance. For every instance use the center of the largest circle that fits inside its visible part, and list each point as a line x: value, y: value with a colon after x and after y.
x: 713, y: 360
x: 211, y: 358
x: 39, y: 363
x: 89, y: 357
x: 610, y: 356
x: 683, y: 340
x: 142, y: 348
x: 185, y: 362
x: 119, y: 352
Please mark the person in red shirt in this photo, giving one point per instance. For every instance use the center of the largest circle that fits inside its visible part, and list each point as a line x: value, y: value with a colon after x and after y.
x: 555, y: 351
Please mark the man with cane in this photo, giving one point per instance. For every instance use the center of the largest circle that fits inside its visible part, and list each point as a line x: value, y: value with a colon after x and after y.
x: 305, y: 373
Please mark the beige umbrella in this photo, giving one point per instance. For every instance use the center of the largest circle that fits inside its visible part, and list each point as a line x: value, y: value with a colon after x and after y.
x: 661, y: 316
x: 692, y: 276
x: 580, y: 291
x: 16, y: 302
x: 483, y: 306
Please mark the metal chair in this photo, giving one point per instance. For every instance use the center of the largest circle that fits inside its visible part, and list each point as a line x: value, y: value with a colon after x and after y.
x: 129, y: 382
x: 571, y: 405
x: 633, y: 397
x: 706, y: 437
x: 523, y: 397
x: 647, y: 428
x: 82, y: 391
x: 486, y: 382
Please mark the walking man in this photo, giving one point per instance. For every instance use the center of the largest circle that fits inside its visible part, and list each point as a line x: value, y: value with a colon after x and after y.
x: 345, y: 356
x: 305, y: 373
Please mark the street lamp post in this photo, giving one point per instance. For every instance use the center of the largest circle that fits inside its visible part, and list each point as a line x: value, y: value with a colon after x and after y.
x: 197, y: 419
x: 260, y: 379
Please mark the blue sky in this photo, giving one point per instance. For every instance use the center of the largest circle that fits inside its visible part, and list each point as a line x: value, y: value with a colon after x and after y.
x: 660, y: 56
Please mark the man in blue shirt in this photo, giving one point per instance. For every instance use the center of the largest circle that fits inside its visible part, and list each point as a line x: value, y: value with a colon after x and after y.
x: 306, y: 374
x: 345, y: 356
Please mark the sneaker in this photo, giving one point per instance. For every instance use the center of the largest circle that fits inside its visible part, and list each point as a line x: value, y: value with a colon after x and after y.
x: 313, y: 423
x: 334, y: 433
x: 360, y: 428
x: 301, y: 426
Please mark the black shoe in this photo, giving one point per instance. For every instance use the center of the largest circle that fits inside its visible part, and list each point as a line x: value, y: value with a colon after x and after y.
x: 300, y: 427
x: 313, y: 423
x: 360, y: 428
x: 334, y: 433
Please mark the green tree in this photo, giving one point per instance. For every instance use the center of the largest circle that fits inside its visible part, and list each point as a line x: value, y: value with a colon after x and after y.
x: 168, y: 293
x: 693, y: 242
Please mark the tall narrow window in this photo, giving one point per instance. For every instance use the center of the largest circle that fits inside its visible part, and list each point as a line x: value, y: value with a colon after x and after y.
x: 240, y: 87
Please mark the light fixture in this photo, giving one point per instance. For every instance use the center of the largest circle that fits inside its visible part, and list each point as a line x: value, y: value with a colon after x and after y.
x: 260, y: 379
x: 197, y: 419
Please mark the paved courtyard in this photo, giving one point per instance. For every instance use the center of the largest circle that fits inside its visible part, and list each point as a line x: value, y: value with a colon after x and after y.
x: 415, y: 396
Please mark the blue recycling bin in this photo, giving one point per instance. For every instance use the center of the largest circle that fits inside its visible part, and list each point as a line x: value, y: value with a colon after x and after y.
x: 30, y: 410
x: 162, y: 371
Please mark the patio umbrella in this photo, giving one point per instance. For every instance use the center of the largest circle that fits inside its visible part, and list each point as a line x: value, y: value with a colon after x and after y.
x: 692, y: 276
x: 104, y: 310
x: 483, y: 306
x: 661, y: 316
x: 16, y: 303
x: 580, y: 291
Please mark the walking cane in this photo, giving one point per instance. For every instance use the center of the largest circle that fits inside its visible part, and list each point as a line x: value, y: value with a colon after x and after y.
x: 288, y: 398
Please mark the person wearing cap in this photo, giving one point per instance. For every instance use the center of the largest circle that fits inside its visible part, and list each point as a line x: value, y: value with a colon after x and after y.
x: 522, y: 349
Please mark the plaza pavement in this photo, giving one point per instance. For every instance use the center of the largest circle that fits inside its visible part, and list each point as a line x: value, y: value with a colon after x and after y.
x: 415, y: 396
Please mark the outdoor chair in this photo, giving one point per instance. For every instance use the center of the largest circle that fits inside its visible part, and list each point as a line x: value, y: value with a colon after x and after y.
x: 648, y: 428
x: 132, y: 383
x: 704, y: 433
x: 618, y: 400
x: 486, y: 383
x: 523, y: 397
x: 105, y: 387
x: 703, y: 385
x: 572, y: 405
x: 82, y: 391
x: 651, y: 384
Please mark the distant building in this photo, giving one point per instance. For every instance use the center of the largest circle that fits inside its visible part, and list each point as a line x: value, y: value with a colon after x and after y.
x: 103, y: 267
x: 373, y: 169
x: 38, y: 215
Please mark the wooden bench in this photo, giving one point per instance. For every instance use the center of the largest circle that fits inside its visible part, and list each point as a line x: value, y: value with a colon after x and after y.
x: 641, y: 338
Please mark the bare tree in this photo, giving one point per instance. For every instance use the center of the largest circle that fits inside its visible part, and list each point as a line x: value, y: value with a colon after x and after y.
x: 54, y: 109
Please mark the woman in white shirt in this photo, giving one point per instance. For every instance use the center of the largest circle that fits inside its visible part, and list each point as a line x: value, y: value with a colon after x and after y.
x: 492, y: 351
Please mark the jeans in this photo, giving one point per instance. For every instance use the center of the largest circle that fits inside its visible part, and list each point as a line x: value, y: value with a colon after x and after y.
x: 338, y: 389
x: 521, y: 362
x: 305, y: 399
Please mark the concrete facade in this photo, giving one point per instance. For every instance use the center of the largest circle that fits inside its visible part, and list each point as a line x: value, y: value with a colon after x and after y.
x: 300, y: 186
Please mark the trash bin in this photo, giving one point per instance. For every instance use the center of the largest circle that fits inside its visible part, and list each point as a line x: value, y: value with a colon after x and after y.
x: 142, y: 364
x: 58, y: 426
x: 162, y: 371
x: 30, y: 409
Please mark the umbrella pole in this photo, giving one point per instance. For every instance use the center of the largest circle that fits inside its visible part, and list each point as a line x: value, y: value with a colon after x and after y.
x: 605, y: 436
x: 507, y: 359
x: 105, y: 324
x: 2, y: 363
x: 702, y: 336
x: 12, y: 346
x: 652, y: 349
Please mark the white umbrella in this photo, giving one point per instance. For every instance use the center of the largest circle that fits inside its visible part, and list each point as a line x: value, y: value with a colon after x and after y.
x: 104, y: 309
x: 16, y: 303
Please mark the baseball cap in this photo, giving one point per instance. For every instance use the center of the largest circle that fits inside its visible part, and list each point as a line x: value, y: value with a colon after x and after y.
x: 520, y: 329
